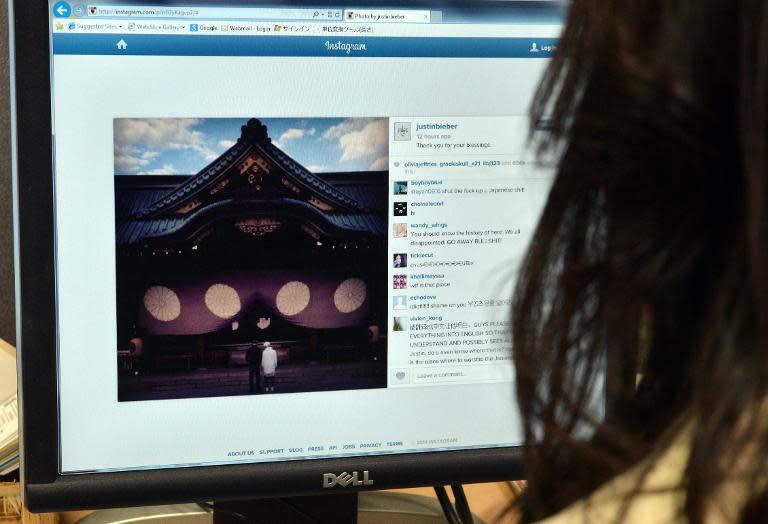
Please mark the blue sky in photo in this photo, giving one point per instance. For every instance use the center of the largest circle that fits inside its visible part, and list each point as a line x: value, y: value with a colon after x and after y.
x: 167, y: 146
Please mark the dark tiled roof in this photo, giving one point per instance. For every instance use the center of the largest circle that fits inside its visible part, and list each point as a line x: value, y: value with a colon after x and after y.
x: 311, y: 180
x: 360, y: 199
x: 192, y: 185
x: 363, y: 222
x: 369, y: 194
x: 130, y: 203
x: 227, y: 160
x: 131, y: 232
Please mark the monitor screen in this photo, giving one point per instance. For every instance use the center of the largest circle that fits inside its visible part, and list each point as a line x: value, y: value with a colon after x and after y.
x: 289, y: 232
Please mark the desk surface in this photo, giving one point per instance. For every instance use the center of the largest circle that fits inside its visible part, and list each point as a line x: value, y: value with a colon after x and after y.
x: 7, y: 348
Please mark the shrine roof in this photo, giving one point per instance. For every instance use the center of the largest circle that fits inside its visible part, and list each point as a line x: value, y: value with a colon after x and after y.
x: 193, y: 183
x: 132, y: 231
x: 312, y: 180
x: 145, y: 205
x: 254, y: 139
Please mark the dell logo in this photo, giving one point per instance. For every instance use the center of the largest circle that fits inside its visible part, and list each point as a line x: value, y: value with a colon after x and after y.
x: 345, y: 480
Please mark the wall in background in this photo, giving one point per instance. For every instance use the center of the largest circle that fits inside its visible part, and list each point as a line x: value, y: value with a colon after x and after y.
x: 7, y: 319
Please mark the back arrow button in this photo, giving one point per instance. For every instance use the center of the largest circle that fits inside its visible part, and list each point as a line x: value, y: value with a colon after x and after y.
x: 62, y: 10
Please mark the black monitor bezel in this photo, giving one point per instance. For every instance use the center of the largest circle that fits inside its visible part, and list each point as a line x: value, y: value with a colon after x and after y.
x: 47, y: 490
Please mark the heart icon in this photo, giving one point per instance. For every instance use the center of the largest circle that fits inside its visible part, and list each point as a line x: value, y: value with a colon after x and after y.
x: 400, y: 375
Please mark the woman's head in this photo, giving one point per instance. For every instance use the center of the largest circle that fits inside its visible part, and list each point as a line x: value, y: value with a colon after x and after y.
x: 652, y: 251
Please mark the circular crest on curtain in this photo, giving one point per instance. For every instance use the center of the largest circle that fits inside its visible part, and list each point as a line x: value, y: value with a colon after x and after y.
x: 222, y: 300
x: 293, y: 298
x: 162, y: 303
x: 350, y: 295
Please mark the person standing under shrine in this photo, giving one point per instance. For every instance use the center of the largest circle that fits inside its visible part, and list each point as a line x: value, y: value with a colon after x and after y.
x: 253, y: 357
x: 268, y: 367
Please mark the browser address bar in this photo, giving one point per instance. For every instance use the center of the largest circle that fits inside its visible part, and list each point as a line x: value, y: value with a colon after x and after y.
x: 212, y: 13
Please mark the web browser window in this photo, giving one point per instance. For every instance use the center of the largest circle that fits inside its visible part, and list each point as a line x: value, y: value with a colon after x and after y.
x: 290, y: 233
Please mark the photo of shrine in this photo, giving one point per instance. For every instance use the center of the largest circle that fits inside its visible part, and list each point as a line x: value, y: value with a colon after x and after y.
x: 259, y: 267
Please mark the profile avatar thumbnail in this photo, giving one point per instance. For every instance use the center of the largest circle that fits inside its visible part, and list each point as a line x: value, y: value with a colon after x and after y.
x: 400, y: 302
x: 400, y: 230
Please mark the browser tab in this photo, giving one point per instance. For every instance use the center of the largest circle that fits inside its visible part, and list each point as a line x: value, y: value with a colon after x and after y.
x: 383, y: 16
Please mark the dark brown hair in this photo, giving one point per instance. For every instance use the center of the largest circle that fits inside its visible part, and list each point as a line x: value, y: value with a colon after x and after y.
x: 652, y: 252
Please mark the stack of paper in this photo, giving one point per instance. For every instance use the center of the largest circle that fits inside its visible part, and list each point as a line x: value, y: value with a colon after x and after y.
x: 9, y: 415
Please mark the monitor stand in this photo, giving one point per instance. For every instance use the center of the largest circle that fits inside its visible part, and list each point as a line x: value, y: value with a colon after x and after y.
x: 334, y: 509
x: 374, y: 507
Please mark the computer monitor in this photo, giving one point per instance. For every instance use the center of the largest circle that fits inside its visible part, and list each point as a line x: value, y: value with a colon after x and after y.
x: 270, y: 248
